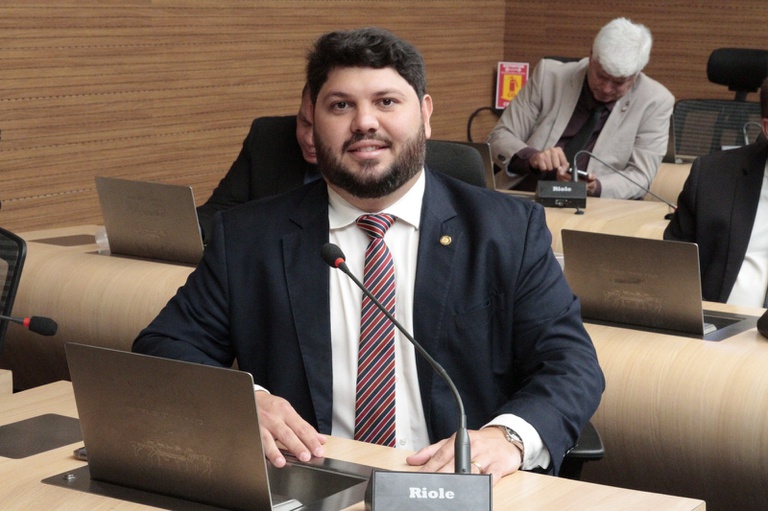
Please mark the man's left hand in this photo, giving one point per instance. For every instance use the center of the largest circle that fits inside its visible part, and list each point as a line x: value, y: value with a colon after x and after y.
x: 491, y: 454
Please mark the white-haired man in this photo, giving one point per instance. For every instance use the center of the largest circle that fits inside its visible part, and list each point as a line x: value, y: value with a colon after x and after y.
x: 604, y: 104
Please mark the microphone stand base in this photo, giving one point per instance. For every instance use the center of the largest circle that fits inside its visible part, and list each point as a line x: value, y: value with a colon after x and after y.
x: 562, y: 194
x: 428, y: 491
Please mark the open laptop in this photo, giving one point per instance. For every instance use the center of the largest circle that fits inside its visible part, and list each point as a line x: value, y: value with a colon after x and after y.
x: 645, y: 283
x: 179, y: 435
x: 150, y: 220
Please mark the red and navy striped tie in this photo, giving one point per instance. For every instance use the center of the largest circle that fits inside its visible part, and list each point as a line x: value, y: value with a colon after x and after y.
x: 375, y: 404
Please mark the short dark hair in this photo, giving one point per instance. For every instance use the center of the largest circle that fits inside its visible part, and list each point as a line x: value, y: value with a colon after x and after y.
x: 366, y: 47
x: 764, y: 99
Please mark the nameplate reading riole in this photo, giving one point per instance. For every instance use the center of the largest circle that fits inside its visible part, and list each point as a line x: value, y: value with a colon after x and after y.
x: 428, y: 491
x: 562, y: 194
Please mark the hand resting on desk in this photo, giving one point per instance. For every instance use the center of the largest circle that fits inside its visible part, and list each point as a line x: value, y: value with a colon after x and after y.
x: 280, y: 423
x: 491, y: 454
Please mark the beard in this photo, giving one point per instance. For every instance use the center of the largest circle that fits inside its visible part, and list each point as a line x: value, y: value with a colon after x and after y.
x: 366, y: 184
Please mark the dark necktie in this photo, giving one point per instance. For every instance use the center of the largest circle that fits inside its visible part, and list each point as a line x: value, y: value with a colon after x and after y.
x: 581, y: 138
x: 375, y: 402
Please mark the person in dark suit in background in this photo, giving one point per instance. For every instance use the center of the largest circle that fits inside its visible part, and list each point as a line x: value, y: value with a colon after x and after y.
x: 278, y: 155
x: 476, y: 281
x: 723, y: 207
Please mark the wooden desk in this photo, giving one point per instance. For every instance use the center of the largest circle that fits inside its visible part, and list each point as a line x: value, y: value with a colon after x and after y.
x: 95, y: 299
x: 685, y: 416
x: 610, y: 216
x: 21, y: 489
x: 678, y: 416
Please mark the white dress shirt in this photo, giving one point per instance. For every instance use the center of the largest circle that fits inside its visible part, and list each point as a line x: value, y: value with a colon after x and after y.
x: 402, y: 239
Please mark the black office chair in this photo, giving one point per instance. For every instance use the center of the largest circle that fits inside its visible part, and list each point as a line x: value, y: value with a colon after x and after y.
x: 589, y: 447
x: 13, y: 251
x: 703, y: 126
x: 456, y: 160
x: 742, y: 70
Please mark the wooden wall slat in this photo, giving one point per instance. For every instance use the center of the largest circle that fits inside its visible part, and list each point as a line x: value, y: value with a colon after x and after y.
x: 166, y: 90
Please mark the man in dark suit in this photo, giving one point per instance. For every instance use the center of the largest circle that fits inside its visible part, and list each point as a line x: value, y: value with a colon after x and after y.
x: 476, y: 282
x: 723, y: 207
x: 278, y: 155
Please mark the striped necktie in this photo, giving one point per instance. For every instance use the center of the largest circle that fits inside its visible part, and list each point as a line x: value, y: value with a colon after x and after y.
x: 375, y: 403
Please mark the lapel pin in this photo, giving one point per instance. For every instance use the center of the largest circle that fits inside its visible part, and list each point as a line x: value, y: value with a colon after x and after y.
x: 445, y: 240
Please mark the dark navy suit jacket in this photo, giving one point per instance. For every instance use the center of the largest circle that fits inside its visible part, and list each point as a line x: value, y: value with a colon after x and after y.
x: 492, y: 307
x: 717, y: 209
x: 270, y: 163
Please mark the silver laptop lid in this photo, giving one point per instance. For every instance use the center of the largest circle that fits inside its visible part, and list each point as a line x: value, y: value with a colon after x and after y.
x: 150, y: 220
x: 170, y: 427
x: 636, y: 281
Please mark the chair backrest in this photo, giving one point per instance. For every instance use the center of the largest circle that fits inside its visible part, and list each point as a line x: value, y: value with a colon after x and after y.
x: 484, y: 148
x: 742, y: 70
x: 702, y: 126
x: 457, y: 160
x: 13, y: 251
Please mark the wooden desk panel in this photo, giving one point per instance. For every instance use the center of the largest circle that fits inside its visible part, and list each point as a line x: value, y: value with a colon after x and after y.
x: 6, y: 383
x: 95, y: 299
x: 21, y: 489
x: 107, y: 300
x: 610, y: 216
x: 685, y: 416
x: 669, y: 181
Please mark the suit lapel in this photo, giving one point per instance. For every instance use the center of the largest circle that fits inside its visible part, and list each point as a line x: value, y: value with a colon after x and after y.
x: 571, y: 95
x: 439, y: 238
x: 307, y: 283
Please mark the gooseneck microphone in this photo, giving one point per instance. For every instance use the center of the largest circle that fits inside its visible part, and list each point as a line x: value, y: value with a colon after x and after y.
x: 646, y: 190
x: 334, y: 257
x: 745, y: 130
x: 37, y: 324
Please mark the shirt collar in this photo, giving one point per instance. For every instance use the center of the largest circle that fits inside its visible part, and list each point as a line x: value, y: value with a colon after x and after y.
x: 408, y: 209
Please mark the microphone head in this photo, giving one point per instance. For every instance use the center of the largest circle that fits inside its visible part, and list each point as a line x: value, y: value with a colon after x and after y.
x: 762, y: 324
x: 332, y: 255
x: 42, y: 325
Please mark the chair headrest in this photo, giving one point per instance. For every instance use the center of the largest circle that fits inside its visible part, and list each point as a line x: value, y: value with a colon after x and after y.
x: 741, y: 69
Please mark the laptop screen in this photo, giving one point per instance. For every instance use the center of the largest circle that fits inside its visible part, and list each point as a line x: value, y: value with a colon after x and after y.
x: 636, y: 281
x: 150, y: 220
x: 189, y: 431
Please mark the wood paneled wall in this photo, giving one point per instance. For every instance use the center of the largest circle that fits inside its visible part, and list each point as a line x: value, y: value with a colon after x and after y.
x: 165, y: 90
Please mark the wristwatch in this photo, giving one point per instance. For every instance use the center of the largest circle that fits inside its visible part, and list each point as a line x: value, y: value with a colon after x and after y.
x: 514, y: 439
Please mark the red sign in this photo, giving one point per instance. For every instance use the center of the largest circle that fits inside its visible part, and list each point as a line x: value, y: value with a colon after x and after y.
x: 510, y: 78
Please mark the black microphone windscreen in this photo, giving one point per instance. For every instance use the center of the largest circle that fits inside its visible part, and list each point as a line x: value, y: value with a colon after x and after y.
x: 332, y: 255
x: 42, y: 325
x: 762, y: 324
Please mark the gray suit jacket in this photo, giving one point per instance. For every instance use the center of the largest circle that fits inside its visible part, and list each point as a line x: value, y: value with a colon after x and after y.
x: 633, y: 140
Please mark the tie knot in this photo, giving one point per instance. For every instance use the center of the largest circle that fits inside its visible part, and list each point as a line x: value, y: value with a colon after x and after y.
x: 375, y: 225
